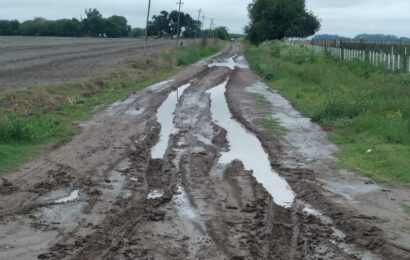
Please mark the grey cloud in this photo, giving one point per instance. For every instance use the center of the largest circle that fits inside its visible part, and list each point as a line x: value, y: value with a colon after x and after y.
x: 345, y: 17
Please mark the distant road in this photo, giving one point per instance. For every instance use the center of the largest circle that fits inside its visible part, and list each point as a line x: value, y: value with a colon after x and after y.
x: 27, y: 61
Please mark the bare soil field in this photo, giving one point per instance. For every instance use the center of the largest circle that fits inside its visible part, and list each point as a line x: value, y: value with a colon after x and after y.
x: 182, y: 170
x: 28, y: 61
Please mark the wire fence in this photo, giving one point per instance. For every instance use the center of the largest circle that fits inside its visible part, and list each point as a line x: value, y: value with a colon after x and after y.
x: 391, y: 55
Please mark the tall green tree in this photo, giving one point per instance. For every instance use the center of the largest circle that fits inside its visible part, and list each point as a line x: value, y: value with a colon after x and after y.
x: 165, y: 24
x: 221, y: 32
x: 9, y: 27
x: 117, y: 26
x: 94, y: 24
x: 277, y: 19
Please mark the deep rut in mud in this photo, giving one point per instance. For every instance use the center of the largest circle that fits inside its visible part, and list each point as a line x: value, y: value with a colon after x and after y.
x: 177, y: 171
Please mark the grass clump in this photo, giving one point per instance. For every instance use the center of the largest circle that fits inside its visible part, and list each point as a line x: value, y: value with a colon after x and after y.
x: 191, y: 54
x: 34, y: 118
x: 365, y: 107
x: 406, y: 209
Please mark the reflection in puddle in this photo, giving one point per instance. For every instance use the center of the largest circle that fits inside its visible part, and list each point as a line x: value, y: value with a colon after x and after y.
x: 230, y: 63
x: 73, y: 196
x: 246, y: 147
x: 165, y: 118
x: 155, y: 194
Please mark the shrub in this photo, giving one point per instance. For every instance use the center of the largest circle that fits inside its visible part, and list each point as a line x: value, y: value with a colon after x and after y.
x: 336, y: 109
x: 298, y: 55
x: 26, y: 129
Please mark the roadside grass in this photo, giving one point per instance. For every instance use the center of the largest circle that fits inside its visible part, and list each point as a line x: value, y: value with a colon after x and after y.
x: 406, y: 208
x: 267, y: 121
x: 36, y: 118
x: 270, y: 124
x: 365, y: 108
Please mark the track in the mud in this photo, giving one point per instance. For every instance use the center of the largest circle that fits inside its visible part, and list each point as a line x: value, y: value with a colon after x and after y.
x: 172, y: 173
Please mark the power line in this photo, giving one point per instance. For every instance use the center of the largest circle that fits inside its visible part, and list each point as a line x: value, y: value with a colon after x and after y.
x: 180, y: 3
x: 146, y: 29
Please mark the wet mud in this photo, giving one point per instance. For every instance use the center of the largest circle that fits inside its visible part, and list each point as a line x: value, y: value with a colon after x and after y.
x: 190, y: 175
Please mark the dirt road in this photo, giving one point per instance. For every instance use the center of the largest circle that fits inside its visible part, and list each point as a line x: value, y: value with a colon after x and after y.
x: 183, y: 170
x: 28, y: 61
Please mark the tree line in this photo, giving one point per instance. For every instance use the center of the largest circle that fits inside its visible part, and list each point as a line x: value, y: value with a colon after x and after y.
x: 94, y: 25
x: 165, y: 24
x: 362, y: 37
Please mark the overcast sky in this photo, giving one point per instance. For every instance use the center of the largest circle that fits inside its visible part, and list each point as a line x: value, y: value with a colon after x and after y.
x: 343, y: 17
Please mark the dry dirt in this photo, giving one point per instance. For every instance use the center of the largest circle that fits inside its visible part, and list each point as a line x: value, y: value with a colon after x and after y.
x: 28, y: 61
x: 103, y: 195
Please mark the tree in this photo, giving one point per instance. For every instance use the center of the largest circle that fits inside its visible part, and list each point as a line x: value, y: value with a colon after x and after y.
x: 94, y: 23
x: 37, y: 27
x: 137, y: 32
x: 116, y: 26
x: 165, y: 24
x: 9, y: 27
x: 191, y: 26
x: 221, y: 32
x: 160, y: 25
x: 277, y: 19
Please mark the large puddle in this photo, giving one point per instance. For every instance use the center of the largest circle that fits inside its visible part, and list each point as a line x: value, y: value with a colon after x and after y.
x: 230, y: 63
x: 165, y: 118
x: 246, y: 147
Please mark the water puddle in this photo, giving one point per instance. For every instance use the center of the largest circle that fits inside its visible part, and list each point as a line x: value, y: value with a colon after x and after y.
x: 165, y: 118
x: 73, y: 196
x: 133, y: 112
x: 246, y: 147
x: 183, y: 204
x: 155, y: 194
x: 230, y: 63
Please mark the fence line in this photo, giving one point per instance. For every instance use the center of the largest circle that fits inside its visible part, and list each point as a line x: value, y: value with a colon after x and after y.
x: 392, y: 56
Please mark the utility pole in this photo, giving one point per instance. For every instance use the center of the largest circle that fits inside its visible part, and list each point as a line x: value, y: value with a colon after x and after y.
x: 146, y: 29
x: 210, y: 27
x: 199, y: 16
x: 179, y: 18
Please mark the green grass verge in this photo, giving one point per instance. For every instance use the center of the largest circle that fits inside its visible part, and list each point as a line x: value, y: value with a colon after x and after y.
x: 365, y: 108
x: 267, y: 121
x: 406, y: 208
x: 36, y: 118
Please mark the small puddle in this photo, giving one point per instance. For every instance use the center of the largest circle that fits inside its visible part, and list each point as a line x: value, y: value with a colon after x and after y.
x: 73, y: 196
x: 183, y: 204
x: 165, y: 118
x: 230, y: 63
x: 246, y: 147
x: 133, y: 111
x: 155, y: 194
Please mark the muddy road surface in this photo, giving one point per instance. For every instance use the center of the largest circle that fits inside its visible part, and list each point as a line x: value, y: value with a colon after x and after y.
x: 183, y: 170
x: 28, y: 61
